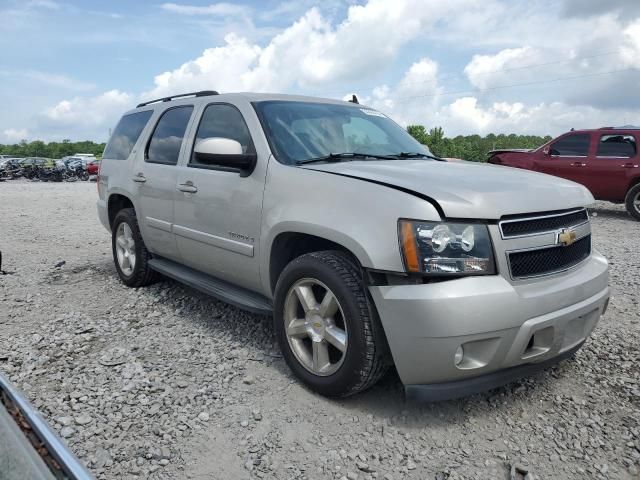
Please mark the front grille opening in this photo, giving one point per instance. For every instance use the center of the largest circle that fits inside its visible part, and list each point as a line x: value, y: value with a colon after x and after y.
x: 532, y: 226
x: 544, y: 261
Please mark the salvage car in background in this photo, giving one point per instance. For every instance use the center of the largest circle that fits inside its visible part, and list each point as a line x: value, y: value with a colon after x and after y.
x: 603, y: 160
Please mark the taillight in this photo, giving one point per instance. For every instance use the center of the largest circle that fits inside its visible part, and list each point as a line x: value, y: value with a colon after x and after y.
x: 98, y: 179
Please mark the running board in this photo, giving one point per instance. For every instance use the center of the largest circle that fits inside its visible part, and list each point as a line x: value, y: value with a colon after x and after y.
x: 225, y: 291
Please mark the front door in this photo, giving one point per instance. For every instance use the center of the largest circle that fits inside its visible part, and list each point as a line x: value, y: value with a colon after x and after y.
x: 566, y: 157
x: 155, y: 173
x: 217, y: 211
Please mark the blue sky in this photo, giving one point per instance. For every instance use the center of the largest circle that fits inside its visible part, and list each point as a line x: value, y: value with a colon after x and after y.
x: 68, y: 69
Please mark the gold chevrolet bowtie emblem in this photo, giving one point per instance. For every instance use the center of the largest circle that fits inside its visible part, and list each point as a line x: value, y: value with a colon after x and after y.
x: 566, y: 237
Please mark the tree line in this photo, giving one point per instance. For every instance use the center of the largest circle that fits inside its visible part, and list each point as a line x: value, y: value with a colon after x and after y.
x: 471, y: 147
x: 38, y: 148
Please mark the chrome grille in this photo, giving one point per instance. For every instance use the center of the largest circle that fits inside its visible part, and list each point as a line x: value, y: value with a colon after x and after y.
x: 520, y: 227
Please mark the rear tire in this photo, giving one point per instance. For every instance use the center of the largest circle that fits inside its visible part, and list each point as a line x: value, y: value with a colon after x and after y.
x: 326, y: 325
x: 632, y: 201
x: 130, y: 254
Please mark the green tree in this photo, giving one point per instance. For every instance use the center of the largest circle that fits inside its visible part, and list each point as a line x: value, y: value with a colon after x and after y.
x: 471, y: 147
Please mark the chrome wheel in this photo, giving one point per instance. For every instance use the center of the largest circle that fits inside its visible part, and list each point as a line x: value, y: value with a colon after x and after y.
x: 636, y: 202
x: 316, y: 330
x: 125, y: 249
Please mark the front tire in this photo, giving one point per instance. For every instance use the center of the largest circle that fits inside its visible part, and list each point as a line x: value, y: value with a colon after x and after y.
x: 327, y: 327
x: 130, y: 254
x: 632, y: 201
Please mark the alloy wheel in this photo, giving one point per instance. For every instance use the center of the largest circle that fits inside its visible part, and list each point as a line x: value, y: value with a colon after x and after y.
x: 125, y: 249
x: 315, y: 327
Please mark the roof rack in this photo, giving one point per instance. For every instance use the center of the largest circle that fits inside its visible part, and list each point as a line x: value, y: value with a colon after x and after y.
x: 623, y: 127
x: 202, y: 93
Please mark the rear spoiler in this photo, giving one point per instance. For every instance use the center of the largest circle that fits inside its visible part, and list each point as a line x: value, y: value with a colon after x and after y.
x: 29, y: 448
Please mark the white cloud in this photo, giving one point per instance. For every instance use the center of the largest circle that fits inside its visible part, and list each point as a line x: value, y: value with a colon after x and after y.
x: 311, y: 51
x: 221, y: 9
x: 86, y: 117
x: 14, y: 135
x: 317, y: 52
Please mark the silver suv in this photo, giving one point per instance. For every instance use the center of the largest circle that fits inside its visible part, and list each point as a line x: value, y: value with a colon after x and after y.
x: 367, y: 250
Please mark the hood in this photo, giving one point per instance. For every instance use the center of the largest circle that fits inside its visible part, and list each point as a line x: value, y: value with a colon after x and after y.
x: 467, y: 189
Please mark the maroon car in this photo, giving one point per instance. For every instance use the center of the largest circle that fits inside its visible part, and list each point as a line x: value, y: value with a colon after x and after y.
x: 605, y: 161
x: 93, y: 167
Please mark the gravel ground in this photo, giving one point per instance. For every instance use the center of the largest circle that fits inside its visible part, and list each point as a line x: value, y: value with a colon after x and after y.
x: 163, y: 382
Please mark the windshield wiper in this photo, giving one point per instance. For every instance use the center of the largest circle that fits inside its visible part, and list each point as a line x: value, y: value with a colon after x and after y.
x: 417, y: 155
x: 346, y: 156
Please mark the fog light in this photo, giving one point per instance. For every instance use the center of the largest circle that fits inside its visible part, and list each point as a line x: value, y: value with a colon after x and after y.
x: 458, y: 356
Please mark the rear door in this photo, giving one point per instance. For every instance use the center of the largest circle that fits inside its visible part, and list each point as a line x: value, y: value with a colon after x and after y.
x: 218, y: 212
x: 155, y: 175
x: 614, y: 164
x: 566, y: 157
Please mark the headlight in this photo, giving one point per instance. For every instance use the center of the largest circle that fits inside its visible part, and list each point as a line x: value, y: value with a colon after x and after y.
x: 446, y: 248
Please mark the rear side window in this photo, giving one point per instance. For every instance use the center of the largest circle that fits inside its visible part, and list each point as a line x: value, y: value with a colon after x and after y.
x: 225, y: 121
x: 126, y: 135
x: 617, y: 146
x: 166, y: 141
x: 576, y: 145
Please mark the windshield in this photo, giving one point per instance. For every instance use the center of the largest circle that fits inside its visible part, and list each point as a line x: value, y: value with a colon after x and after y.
x: 300, y: 131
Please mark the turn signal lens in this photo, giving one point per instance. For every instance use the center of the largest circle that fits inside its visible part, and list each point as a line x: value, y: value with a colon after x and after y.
x: 409, y: 247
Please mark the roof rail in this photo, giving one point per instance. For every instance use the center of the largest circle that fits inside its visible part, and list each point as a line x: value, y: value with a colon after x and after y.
x: 202, y: 93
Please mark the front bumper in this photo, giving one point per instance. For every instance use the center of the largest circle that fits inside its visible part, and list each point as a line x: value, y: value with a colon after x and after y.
x: 499, y: 325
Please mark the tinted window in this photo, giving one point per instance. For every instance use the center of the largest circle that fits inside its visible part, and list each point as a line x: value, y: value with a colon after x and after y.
x: 165, y: 143
x: 224, y: 121
x: 126, y: 135
x: 617, y: 146
x: 299, y: 131
x: 576, y: 145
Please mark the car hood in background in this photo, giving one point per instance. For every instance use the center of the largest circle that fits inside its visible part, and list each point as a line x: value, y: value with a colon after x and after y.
x: 511, y: 150
x: 467, y: 189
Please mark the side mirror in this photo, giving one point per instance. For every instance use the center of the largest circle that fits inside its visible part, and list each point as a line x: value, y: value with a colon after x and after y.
x: 225, y: 152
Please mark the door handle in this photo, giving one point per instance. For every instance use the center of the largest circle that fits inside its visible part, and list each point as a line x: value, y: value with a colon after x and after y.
x: 629, y: 165
x: 578, y: 164
x: 139, y: 178
x: 187, y: 187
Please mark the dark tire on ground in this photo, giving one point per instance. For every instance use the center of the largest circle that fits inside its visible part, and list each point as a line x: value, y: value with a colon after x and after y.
x: 142, y: 274
x: 632, y: 201
x: 367, y: 354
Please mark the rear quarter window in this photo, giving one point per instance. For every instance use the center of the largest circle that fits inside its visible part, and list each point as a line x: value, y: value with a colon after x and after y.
x: 126, y: 135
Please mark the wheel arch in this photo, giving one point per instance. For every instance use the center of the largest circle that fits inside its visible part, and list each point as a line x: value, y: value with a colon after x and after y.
x: 634, y: 181
x: 115, y: 203
x: 290, y: 244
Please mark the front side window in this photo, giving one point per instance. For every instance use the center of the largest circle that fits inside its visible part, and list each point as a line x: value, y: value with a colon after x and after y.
x: 166, y: 141
x: 126, y: 135
x: 617, y: 146
x: 223, y: 121
x: 576, y: 145
x: 300, y: 131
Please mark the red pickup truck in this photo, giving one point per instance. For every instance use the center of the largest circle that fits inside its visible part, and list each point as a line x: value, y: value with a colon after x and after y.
x: 604, y: 160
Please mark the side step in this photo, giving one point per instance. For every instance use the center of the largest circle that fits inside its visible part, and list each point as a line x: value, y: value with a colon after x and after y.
x: 225, y: 291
